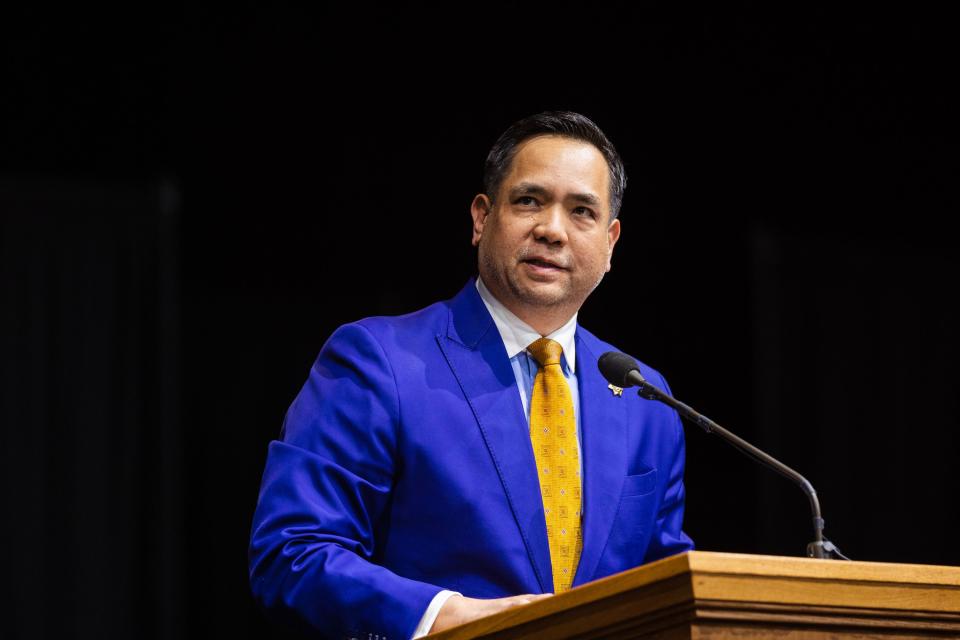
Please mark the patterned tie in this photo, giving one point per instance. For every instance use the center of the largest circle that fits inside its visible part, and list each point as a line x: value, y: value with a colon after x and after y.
x: 553, y: 432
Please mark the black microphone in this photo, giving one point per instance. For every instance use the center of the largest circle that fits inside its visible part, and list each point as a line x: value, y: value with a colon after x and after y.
x: 623, y: 371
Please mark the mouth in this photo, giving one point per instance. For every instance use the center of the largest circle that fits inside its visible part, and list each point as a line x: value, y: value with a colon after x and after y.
x: 542, y: 268
x: 543, y: 264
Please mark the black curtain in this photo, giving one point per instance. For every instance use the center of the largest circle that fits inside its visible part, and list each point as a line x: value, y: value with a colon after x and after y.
x: 786, y: 262
x: 855, y: 345
x: 91, y: 442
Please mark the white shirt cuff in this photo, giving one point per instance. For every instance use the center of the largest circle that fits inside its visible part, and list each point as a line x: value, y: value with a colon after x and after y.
x: 426, y: 622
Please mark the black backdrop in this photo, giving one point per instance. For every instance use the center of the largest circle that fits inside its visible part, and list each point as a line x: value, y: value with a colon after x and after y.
x: 192, y: 199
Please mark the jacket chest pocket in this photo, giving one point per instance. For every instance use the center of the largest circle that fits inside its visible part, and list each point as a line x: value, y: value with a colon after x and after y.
x: 639, y: 484
x: 633, y: 524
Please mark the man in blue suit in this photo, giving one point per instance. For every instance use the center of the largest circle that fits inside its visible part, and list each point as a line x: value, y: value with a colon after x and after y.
x: 403, y: 495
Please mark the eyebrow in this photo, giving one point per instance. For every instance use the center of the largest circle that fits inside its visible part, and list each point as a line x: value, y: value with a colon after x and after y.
x: 586, y: 198
x: 532, y: 188
x: 528, y: 189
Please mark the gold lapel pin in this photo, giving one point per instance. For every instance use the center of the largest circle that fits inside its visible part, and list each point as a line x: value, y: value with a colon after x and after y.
x: 617, y: 391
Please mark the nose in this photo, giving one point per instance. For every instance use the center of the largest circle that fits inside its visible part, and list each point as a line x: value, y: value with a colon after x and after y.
x: 551, y: 225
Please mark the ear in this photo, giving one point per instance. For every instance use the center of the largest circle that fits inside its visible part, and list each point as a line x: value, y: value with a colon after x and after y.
x: 613, y: 234
x: 479, y: 209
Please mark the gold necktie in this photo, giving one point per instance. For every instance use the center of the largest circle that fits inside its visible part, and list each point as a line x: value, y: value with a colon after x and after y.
x: 553, y: 432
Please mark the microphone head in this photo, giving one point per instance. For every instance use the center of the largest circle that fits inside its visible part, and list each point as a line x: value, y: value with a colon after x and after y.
x: 616, y: 366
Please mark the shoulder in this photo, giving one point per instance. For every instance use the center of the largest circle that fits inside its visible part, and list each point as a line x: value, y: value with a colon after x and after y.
x: 429, y: 320
x: 597, y: 347
x: 410, y: 330
x: 652, y: 427
x: 395, y: 333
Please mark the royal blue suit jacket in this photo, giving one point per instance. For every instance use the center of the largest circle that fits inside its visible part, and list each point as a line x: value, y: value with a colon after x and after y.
x: 405, y: 467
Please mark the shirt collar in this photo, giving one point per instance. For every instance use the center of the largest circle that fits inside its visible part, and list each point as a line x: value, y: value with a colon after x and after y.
x: 517, y: 334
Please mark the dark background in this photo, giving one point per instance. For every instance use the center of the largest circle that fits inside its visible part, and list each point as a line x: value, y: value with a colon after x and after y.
x: 191, y: 200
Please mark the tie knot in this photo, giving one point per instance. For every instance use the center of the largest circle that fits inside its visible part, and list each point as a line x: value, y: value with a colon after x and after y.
x: 546, y: 351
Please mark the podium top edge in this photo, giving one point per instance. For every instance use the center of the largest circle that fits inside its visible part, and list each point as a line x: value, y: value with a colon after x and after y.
x: 796, y: 567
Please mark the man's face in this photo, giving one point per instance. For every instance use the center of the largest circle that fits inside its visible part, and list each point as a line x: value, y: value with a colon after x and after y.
x: 546, y: 240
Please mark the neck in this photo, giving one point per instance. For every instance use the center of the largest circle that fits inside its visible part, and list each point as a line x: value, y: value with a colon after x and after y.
x: 543, y: 321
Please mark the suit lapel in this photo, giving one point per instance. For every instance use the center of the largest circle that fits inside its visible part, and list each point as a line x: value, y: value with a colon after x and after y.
x: 604, y: 445
x: 475, y: 352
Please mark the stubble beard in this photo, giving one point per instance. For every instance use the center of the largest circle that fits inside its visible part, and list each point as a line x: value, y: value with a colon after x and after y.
x: 508, y: 280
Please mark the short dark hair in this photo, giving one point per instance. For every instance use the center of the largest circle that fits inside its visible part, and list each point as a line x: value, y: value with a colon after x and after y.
x: 558, y: 123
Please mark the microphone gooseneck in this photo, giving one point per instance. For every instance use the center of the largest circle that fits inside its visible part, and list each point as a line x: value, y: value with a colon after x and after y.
x: 623, y: 371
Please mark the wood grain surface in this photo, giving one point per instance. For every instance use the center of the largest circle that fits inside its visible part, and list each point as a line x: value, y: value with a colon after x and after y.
x: 703, y: 594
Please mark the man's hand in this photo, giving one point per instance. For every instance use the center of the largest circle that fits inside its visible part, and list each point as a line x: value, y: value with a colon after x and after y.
x: 459, y: 609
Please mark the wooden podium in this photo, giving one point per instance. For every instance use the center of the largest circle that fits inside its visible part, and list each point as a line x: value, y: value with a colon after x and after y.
x: 725, y: 595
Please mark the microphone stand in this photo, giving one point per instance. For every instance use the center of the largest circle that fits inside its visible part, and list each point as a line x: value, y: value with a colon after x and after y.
x: 820, y: 547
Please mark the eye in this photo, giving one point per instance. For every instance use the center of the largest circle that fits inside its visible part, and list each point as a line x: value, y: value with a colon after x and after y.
x: 526, y: 201
x: 585, y: 211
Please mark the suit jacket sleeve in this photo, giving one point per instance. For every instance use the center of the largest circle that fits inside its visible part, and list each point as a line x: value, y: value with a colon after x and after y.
x: 324, y: 501
x: 669, y: 538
